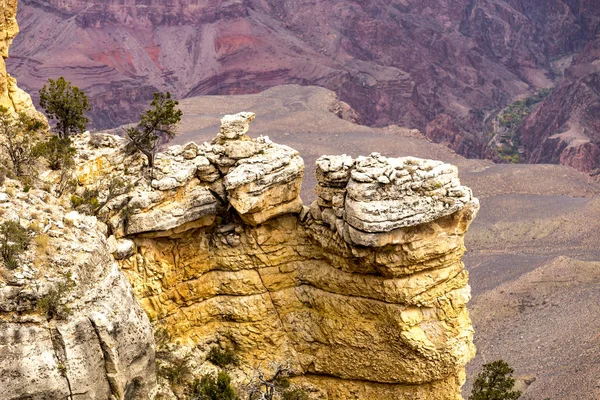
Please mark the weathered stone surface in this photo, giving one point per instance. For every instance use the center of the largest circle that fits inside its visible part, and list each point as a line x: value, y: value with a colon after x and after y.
x: 258, y: 178
x: 369, y: 200
x: 93, y: 340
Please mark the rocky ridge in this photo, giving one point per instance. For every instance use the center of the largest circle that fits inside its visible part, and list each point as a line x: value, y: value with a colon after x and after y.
x: 361, y: 294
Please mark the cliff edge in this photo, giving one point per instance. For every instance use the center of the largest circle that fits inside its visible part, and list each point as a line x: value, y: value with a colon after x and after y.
x: 362, y: 294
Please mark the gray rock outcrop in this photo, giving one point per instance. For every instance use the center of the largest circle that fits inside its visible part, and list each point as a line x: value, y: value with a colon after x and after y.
x: 369, y: 199
x: 70, y: 326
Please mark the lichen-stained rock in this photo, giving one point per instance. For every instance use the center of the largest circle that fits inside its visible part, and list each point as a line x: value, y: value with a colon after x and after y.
x: 363, y: 294
x: 69, y: 324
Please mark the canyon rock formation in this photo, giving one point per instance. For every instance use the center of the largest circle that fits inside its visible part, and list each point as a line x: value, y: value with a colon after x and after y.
x: 444, y: 67
x: 362, y: 295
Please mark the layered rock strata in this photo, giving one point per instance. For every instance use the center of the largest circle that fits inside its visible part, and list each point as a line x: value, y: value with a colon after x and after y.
x: 363, y: 294
x: 444, y: 67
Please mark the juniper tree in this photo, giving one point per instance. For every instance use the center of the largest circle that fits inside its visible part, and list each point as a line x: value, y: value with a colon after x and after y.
x: 66, y: 104
x: 495, y: 382
x: 156, y: 126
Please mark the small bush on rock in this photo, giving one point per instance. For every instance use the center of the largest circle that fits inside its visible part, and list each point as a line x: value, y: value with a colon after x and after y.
x: 19, y: 135
x: 209, y: 388
x: 14, y: 240
x: 175, y: 370
x: 495, y: 382
x: 295, y: 394
x: 53, y: 304
x: 222, y: 358
x: 58, y: 152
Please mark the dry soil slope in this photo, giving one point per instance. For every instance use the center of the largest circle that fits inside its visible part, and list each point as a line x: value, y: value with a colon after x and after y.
x: 533, y: 253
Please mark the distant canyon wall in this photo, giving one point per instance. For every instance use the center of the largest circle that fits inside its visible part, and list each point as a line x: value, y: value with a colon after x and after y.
x: 442, y: 67
x: 565, y: 128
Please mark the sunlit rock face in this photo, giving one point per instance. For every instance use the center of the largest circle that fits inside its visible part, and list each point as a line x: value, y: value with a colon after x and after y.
x: 10, y: 95
x: 363, y: 294
x: 70, y: 326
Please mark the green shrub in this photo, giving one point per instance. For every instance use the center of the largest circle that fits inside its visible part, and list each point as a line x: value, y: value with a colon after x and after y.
x: 52, y: 305
x: 66, y: 104
x: 88, y: 201
x: 495, y: 382
x: 222, y: 358
x: 175, y: 370
x: 209, y: 388
x: 156, y: 127
x: 58, y: 152
x: 76, y: 201
x: 295, y: 394
x: 20, y: 135
x: 14, y: 240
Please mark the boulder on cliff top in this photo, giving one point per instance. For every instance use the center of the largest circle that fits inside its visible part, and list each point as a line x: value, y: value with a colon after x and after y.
x: 369, y: 198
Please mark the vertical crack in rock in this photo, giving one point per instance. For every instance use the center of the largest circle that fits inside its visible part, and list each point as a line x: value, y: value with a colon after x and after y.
x: 262, y: 281
x: 109, y: 362
x: 60, y: 353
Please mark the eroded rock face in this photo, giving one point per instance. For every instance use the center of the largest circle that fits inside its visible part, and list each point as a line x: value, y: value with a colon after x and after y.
x: 565, y: 128
x: 10, y: 95
x: 69, y: 324
x: 362, y: 294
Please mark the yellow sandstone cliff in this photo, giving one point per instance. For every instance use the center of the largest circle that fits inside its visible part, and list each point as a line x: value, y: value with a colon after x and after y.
x: 363, y: 294
x: 10, y: 95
